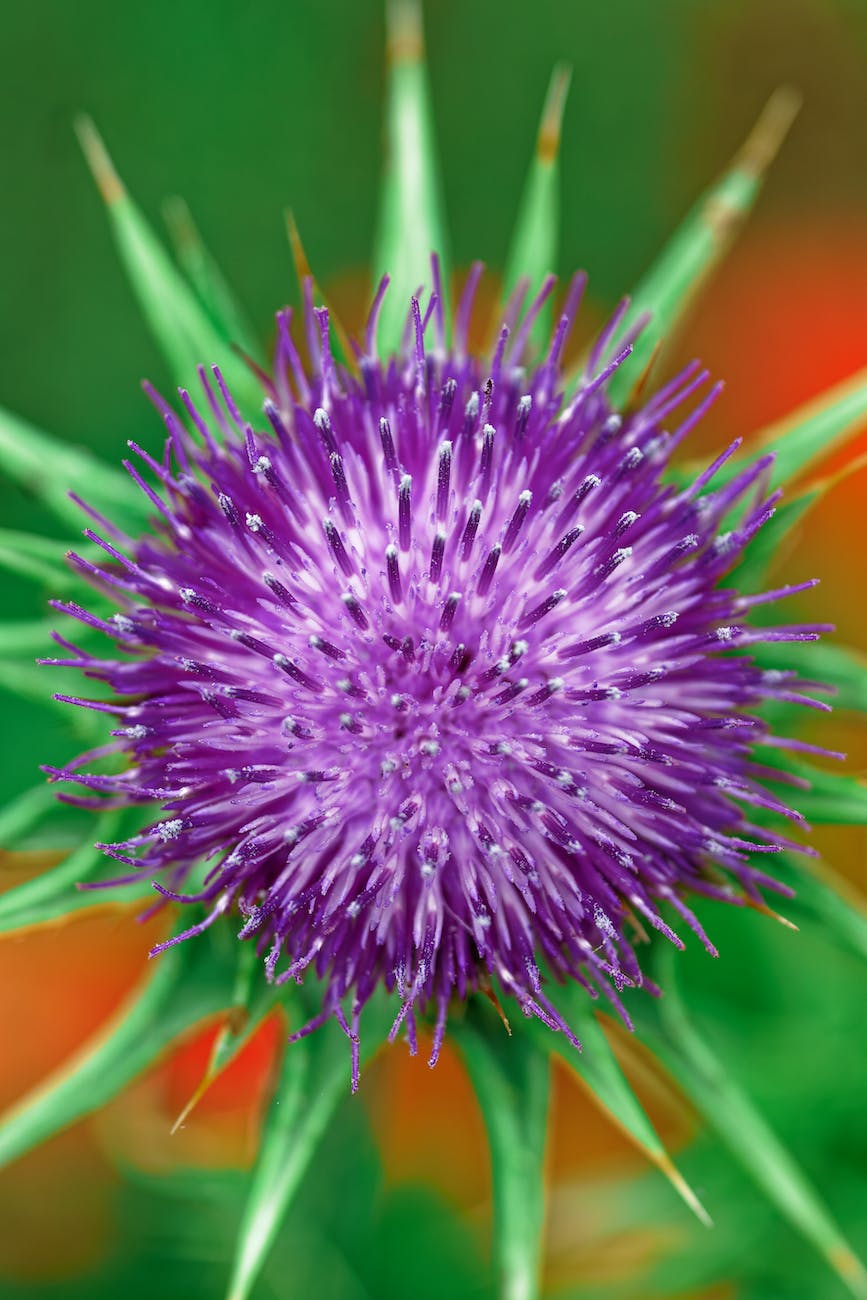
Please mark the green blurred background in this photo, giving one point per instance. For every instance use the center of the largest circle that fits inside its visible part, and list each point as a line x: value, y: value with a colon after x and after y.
x: 245, y: 110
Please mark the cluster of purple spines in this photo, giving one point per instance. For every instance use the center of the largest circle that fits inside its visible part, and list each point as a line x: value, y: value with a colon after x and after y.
x: 434, y: 672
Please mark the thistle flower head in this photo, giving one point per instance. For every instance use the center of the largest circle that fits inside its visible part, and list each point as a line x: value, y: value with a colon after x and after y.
x: 433, y: 669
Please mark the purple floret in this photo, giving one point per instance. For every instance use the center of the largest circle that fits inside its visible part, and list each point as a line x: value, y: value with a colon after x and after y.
x: 435, y: 673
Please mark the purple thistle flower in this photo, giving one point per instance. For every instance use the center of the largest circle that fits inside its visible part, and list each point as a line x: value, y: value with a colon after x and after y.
x: 436, y: 673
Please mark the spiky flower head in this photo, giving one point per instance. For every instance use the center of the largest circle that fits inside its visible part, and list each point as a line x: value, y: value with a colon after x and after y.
x: 434, y: 672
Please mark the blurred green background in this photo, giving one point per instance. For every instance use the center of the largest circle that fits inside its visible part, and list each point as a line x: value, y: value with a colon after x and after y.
x: 245, y: 110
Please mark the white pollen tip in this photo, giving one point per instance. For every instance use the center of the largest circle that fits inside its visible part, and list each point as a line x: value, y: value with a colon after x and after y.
x: 254, y: 523
x: 170, y: 830
x: 262, y: 465
x: 186, y: 593
x: 320, y: 417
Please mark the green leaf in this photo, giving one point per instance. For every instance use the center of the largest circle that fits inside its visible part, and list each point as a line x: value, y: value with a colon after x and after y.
x: 726, y: 1108
x: 833, y: 799
x: 339, y: 341
x: 23, y: 812
x: 829, y: 899
x: 510, y: 1076
x: 599, y: 1070
x: 823, y: 661
x: 412, y: 222
x: 314, y: 1078
x: 187, y: 984
x: 32, y: 637
x: 30, y: 681
x: 51, y: 469
x: 253, y: 1000
x: 40, y: 559
x: 207, y: 279
x: 811, y: 433
x: 54, y: 894
x: 180, y: 325
x: 800, y: 442
x: 696, y: 248
x: 535, y: 240
x: 764, y: 550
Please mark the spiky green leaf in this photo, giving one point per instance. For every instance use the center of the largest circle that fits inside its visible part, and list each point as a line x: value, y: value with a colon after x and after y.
x: 412, y: 222
x: 839, y: 666
x: 54, y: 894
x: 823, y: 896
x: 225, y: 312
x: 811, y: 433
x: 765, y: 549
x: 51, y: 469
x: 314, y: 1078
x: 599, y: 1070
x: 253, y: 1000
x: 720, y: 1099
x: 535, y: 241
x: 510, y: 1077
x: 701, y: 241
x: 22, y: 813
x: 186, y: 985
x: 833, y: 798
x: 180, y: 324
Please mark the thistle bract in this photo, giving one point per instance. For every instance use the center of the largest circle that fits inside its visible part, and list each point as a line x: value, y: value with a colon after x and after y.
x: 433, y: 669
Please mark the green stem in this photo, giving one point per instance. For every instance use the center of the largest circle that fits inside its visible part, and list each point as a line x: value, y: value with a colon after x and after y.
x: 510, y: 1075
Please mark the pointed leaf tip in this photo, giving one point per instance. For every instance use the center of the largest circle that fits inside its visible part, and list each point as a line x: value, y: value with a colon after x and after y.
x: 404, y: 32
x: 412, y: 219
x: 341, y: 344
x: 703, y: 238
x: 599, y: 1071
x: 533, y: 249
x: 728, y: 1108
x: 548, y: 141
x: 98, y: 159
x: 180, y: 324
x: 188, y: 985
x: 767, y: 136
